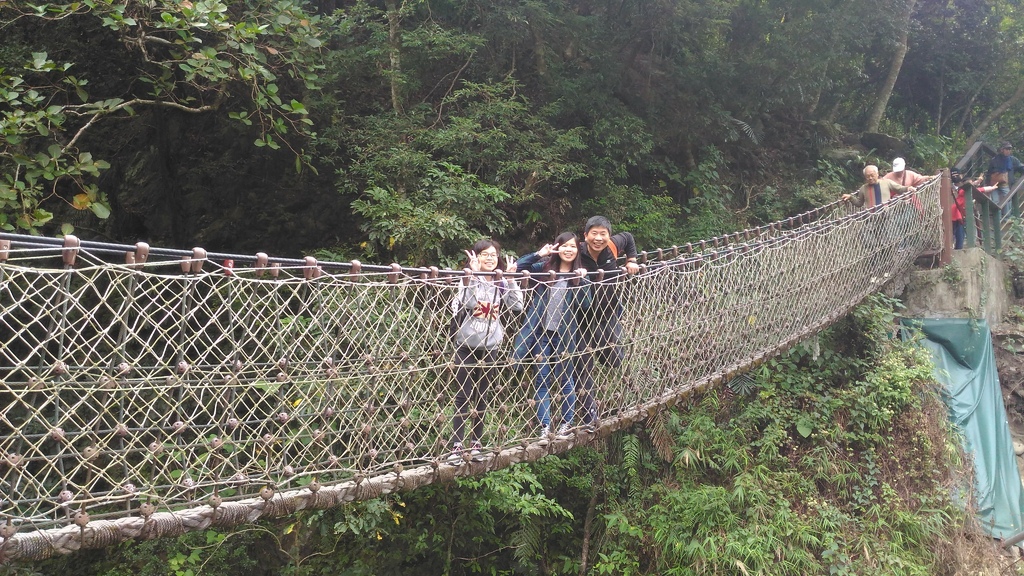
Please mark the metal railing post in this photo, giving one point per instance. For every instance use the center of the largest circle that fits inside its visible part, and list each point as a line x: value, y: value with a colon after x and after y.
x: 997, y: 229
x: 1017, y: 198
x: 970, y: 226
x: 986, y: 227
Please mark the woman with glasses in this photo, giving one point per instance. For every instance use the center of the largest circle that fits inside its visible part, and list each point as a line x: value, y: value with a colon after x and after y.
x: 480, y: 333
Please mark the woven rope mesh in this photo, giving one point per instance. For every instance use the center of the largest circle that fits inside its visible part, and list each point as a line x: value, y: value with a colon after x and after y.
x: 136, y: 393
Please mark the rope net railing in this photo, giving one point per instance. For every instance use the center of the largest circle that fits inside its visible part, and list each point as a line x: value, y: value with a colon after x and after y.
x: 156, y: 397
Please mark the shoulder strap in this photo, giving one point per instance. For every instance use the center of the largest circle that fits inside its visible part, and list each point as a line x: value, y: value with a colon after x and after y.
x: 613, y: 248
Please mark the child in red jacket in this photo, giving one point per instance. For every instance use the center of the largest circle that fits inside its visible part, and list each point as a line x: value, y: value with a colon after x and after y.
x: 960, y: 204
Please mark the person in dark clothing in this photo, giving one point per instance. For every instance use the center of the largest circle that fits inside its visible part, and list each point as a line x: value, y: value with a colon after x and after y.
x: 1000, y: 170
x: 599, y: 326
x: 1001, y: 165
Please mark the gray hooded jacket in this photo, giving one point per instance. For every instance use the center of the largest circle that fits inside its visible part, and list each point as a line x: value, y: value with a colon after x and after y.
x: 483, y: 301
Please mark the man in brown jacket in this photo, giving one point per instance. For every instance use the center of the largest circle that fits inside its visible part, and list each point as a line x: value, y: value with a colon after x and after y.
x: 884, y: 234
x: 875, y: 191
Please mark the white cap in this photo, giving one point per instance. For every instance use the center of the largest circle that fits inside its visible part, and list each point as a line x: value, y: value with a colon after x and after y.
x: 899, y: 165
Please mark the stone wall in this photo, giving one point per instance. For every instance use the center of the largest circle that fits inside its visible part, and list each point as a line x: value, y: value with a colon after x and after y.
x: 973, y: 285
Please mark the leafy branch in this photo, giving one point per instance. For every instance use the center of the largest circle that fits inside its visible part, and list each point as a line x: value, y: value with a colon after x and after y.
x: 193, y: 57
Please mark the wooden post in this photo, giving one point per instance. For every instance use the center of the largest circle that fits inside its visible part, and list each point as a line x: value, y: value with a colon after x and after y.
x: 945, y: 197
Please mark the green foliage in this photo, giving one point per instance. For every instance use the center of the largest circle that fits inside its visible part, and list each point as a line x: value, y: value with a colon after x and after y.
x: 700, y: 117
x: 836, y: 177
x: 794, y: 194
x: 933, y: 153
x: 487, y: 524
x: 206, y: 552
x: 446, y: 211
x: 1012, y: 251
x: 193, y: 55
x: 707, y: 210
x: 455, y: 174
x: 952, y: 274
x: 653, y: 219
x: 829, y: 469
x: 28, y: 122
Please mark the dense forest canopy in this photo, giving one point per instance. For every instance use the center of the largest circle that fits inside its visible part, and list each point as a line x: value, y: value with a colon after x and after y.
x: 403, y: 130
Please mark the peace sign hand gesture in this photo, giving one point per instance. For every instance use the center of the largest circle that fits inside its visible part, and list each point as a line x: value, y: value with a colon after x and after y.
x: 547, y: 250
x: 510, y: 264
x: 474, y: 262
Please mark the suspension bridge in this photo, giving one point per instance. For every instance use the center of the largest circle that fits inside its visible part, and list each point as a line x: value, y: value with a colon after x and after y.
x: 149, y: 392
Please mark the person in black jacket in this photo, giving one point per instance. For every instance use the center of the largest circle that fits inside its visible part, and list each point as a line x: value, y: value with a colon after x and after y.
x: 599, y: 326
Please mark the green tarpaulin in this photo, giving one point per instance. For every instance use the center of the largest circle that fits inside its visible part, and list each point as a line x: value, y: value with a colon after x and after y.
x: 965, y: 363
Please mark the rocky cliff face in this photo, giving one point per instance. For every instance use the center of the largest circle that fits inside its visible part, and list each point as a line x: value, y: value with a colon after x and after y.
x: 1008, y: 341
x: 974, y: 285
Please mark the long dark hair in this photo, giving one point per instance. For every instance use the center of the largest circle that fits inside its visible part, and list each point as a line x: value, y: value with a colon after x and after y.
x: 555, y: 259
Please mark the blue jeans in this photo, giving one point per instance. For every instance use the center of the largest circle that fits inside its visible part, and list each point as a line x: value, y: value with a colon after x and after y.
x: 558, y: 370
x: 959, y: 234
x: 997, y: 196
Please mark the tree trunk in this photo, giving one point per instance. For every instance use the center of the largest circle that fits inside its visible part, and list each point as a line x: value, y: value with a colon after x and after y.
x: 939, y: 121
x: 394, y: 50
x: 817, y: 94
x: 539, y: 51
x: 970, y: 103
x: 994, y: 115
x: 875, y: 118
x: 588, y: 523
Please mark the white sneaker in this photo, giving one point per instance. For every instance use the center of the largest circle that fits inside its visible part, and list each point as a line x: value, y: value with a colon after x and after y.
x: 564, y: 431
x: 455, y: 457
x: 545, y: 431
x: 475, y: 451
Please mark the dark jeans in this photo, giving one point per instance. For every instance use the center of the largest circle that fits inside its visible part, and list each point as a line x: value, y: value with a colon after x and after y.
x: 959, y: 233
x: 585, y: 387
x: 474, y: 370
x: 552, y: 371
x: 584, y: 372
x: 998, y: 195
